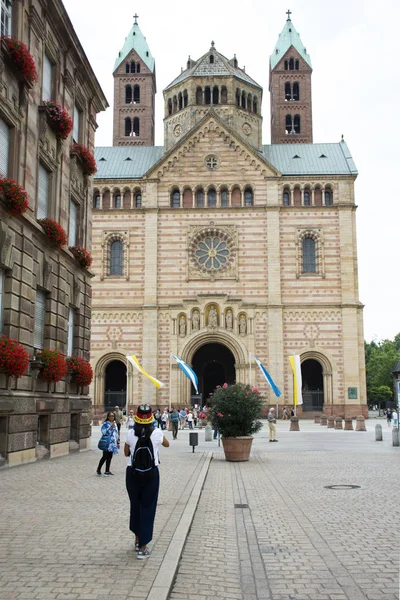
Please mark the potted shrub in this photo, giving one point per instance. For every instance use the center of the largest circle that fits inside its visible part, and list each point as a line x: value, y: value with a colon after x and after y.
x: 59, y: 119
x: 14, y: 196
x: 82, y: 255
x: 54, y: 231
x: 54, y: 365
x: 14, y: 359
x: 21, y: 59
x: 80, y: 370
x: 86, y: 158
x: 235, y: 411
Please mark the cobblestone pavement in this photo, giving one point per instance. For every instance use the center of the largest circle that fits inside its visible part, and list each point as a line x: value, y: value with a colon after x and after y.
x: 298, y: 540
x: 64, y: 531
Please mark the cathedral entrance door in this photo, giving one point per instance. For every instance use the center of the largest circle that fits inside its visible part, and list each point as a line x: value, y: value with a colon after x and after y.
x: 313, y: 385
x: 115, y: 385
x: 214, y: 365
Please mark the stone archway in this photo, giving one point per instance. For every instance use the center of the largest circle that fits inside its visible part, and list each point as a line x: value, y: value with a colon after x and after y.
x: 214, y: 365
x: 120, y: 386
x: 316, y: 373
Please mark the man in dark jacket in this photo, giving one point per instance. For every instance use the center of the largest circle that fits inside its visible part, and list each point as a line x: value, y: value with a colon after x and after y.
x: 174, y: 416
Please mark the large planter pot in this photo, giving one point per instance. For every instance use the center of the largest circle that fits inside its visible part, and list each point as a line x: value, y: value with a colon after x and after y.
x: 237, y: 449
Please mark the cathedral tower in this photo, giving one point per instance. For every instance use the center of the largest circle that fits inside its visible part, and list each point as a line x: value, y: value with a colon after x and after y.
x: 290, y: 87
x: 134, y: 92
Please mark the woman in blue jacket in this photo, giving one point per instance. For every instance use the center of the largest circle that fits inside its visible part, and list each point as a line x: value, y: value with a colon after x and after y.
x: 109, y: 432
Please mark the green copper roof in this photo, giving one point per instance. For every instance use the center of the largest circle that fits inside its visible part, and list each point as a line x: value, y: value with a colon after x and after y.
x: 136, y: 41
x: 288, y: 37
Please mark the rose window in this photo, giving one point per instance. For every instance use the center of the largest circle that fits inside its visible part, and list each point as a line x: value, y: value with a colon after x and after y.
x: 212, y: 250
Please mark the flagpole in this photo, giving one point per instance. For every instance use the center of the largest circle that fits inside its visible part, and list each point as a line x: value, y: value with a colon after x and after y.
x: 170, y: 379
x: 127, y: 388
x: 250, y: 367
x: 276, y: 372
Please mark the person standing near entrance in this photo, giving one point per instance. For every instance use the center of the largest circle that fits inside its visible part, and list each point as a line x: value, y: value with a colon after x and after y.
x: 271, y: 423
x: 119, y: 419
x: 143, y: 489
x: 109, y: 434
x: 174, y: 416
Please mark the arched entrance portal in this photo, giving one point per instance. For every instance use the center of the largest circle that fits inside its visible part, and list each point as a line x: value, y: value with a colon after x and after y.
x: 214, y: 365
x: 115, y: 385
x: 313, y: 385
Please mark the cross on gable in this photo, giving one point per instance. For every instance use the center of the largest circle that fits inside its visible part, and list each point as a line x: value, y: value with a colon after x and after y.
x: 136, y: 16
x: 212, y: 163
x: 288, y: 14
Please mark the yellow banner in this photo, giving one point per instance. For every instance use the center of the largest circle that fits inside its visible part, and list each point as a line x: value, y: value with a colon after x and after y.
x: 296, y: 368
x: 135, y: 363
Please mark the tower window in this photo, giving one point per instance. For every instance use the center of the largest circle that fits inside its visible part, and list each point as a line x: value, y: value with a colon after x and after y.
x: 137, y: 67
x: 224, y: 95
x: 175, y: 104
x: 116, y: 258
x: 309, y: 262
x: 237, y: 98
x: 296, y: 91
x: 200, y: 198
x: 307, y: 201
x: 291, y: 64
x: 211, y: 59
x: 255, y: 105
x: 297, y: 123
x: 170, y: 106
x: 136, y: 94
x: 128, y: 126
x: 133, y: 67
x: 249, y: 102
x: 244, y: 100
x: 297, y: 65
x: 175, y: 199
x: 215, y: 95
x: 180, y: 101
x: 128, y: 94
x: 248, y: 197
x: 288, y: 92
x: 136, y: 127
x: 185, y: 99
x: 286, y: 65
x: 288, y: 124
x: 199, y: 96
x: 207, y: 95
x: 211, y: 197
x: 127, y: 68
x: 286, y: 198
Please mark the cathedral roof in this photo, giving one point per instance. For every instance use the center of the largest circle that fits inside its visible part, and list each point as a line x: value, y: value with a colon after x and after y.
x: 289, y: 37
x: 135, y: 41
x: 133, y: 162
x: 220, y: 67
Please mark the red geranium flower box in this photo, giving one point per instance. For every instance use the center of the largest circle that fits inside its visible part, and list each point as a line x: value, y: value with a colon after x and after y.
x: 15, y: 197
x: 54, y: 231
x: 14, y: 359
x: 54, y: 365
x: 59, y: 118
x: 86, y: 158
x: 82, y: 255
x: 81, y: 370
x: 21, y: 58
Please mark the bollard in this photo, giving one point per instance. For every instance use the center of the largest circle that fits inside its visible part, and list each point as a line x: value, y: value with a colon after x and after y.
x: 395, y: 436
x: 348, y: 424
x: 378, y: 433
x: 193, y: 439
x: 294, y: 424
x: 324, y: 420
x: 360, y: 423
x: 331, y: 422
x: 208, y: 431
x: 338, y: 423
x: 317, y: 419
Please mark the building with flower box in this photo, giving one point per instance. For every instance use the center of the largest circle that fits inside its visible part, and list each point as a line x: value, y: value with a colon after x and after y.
x: 49, y: 99
x: 217, y: 247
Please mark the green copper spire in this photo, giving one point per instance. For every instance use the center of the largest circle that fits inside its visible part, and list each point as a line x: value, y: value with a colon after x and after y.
x: 136, y: 41
x: 288, y: 37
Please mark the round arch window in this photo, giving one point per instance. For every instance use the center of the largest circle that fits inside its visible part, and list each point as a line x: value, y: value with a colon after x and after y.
x: 212, y: 251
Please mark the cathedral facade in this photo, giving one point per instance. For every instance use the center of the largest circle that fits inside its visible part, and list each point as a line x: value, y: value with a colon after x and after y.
x: 217, y: 248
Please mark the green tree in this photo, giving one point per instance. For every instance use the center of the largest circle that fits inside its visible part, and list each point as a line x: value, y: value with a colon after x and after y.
x: 380, y: 359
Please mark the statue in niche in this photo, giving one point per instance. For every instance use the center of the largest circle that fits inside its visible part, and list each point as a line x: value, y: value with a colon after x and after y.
x: 229, y: 320
x: 182, y: 326
x: 242, y: 325
x: 196, y: 321
x: 213, y: 317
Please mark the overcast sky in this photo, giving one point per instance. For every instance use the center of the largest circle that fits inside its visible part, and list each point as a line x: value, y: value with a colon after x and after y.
x: 353, y: 46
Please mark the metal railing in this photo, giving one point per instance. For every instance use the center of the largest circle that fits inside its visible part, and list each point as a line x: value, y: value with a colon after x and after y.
x: 313, y: 400
x: 113, y: 399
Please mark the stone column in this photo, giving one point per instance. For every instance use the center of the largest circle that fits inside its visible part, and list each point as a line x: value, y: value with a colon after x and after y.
x: 291, y: 197
x: 302, y: 196
x: 101, y: 199
x: 312, y: 197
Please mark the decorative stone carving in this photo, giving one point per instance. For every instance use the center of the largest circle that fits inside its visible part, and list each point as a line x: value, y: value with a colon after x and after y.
x: 114, y: 335
x: 229, y: 320
x: 213, y: 317
x: 6, y: 240
x: 212, y: 252
x: 195, y: 320
x: 242, y: 325
x: 182, y: 326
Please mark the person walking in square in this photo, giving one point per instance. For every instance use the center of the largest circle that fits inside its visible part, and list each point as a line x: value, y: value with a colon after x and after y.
x: 174, y: 416
x: 271, y: 423
x: 389, y: 416
x: 119, y: 419
x: 109, y: 433
x: 142, y: 484
x: 182, y: 418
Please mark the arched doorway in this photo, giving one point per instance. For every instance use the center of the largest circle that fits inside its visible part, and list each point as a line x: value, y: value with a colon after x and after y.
x: 115, y: 385
x: 214, y: 365
x: 312, y: 385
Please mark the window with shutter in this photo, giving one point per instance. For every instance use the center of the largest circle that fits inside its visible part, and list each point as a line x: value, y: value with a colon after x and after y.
x: 1, y: 298
x: 4, y: 147
x: 6, y: 14
x: 76, y: 129
x: 43, y: 193
x: 73, y: 220
x: 70, y: 342
x: 47, y: 86
x: 38, y: 332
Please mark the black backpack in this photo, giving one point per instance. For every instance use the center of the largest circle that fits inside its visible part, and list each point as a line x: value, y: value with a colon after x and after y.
x: 143, y: 459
